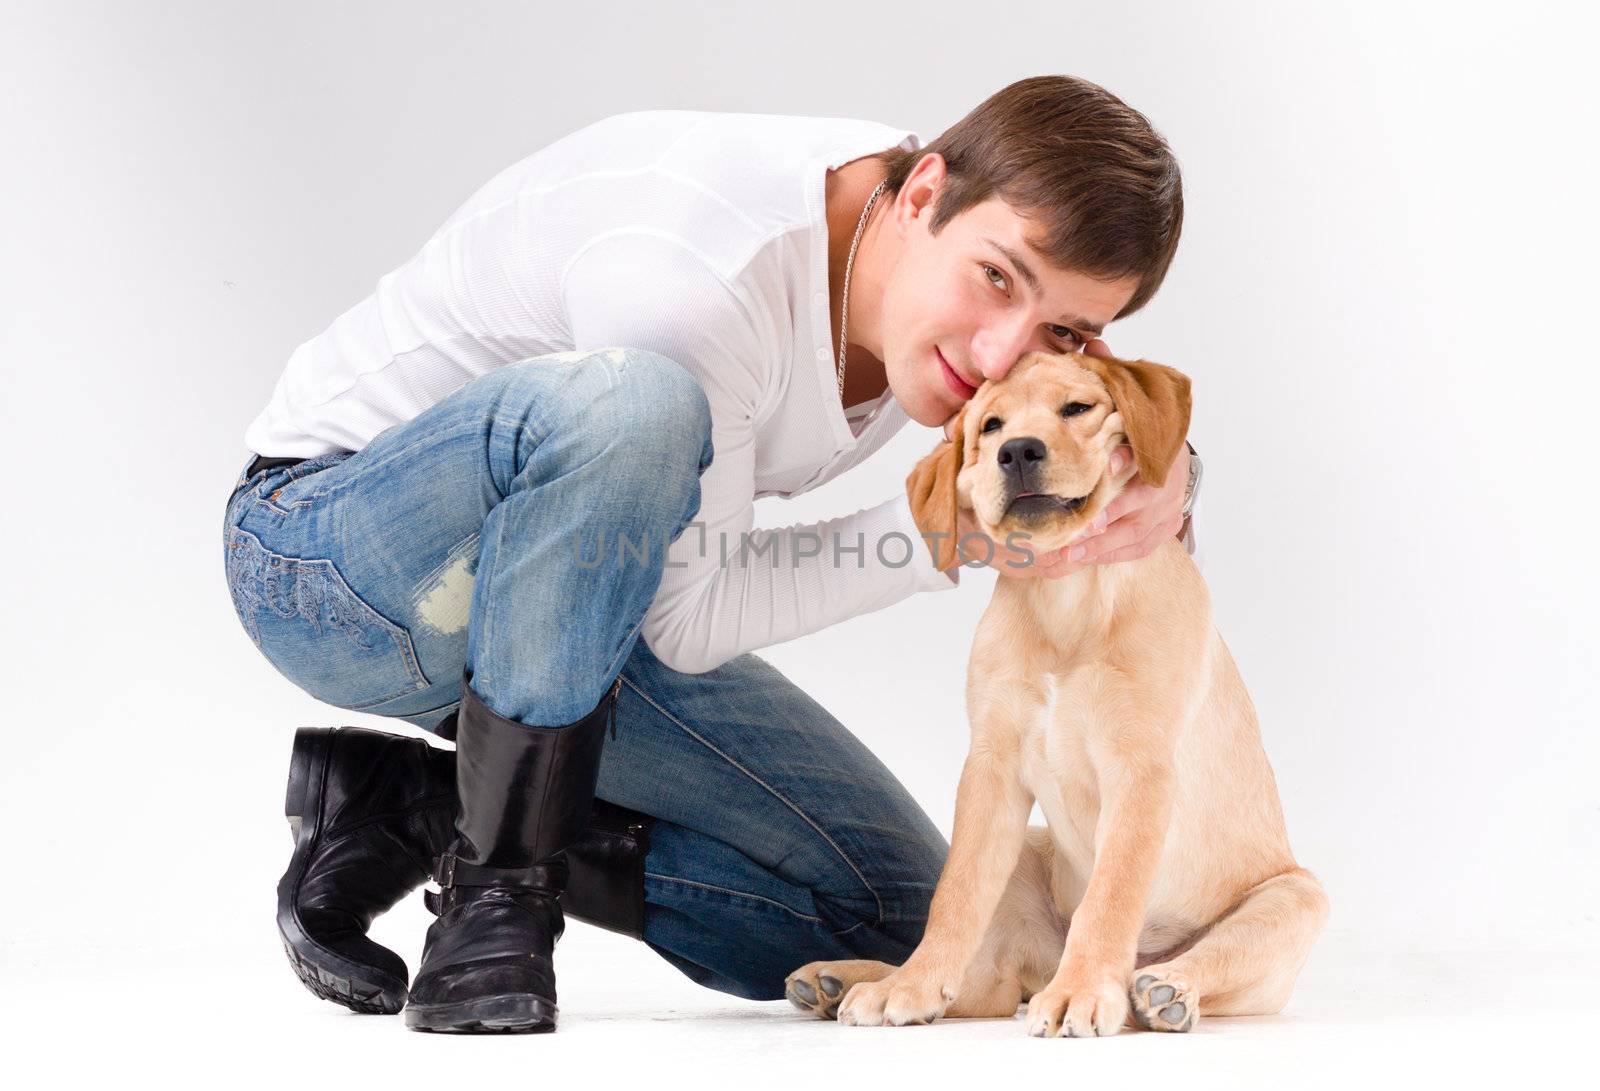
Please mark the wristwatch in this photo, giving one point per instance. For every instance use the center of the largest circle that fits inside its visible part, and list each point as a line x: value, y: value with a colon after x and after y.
x: 1194, y: 481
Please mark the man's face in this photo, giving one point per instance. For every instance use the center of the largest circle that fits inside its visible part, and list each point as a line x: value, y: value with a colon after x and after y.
x: 957, y: 309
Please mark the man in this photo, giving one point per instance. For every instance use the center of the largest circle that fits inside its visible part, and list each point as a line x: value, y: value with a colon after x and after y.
x: 617, y: 345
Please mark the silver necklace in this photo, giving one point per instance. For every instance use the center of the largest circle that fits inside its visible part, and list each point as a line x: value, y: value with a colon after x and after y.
x: 844, y: 307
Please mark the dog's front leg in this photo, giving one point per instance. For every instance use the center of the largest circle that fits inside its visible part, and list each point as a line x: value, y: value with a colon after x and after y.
x: 991, y: 821
x: 1088, y: 995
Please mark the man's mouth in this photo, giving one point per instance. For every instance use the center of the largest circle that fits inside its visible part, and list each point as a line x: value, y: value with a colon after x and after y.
x: 1040, y: 503
x: 959, y: 386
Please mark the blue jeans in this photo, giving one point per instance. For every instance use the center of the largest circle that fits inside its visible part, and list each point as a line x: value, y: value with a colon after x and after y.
x: 482, y: 535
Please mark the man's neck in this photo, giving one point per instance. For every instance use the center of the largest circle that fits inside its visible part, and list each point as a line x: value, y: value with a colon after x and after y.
x: 847, y: 191
x: 864, y: 377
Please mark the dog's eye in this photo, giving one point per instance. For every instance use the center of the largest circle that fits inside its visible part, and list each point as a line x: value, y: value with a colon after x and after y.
x: 991, y: 424
x: 1072, y: 409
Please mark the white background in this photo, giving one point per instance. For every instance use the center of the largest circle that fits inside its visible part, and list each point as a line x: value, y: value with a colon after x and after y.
x: 1381, y: 295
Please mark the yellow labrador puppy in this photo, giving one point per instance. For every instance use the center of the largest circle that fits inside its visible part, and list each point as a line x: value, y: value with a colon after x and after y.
x: 1164, y: 883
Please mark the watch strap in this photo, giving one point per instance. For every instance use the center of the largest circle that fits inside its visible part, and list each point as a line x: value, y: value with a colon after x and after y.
x: 1192, y: 490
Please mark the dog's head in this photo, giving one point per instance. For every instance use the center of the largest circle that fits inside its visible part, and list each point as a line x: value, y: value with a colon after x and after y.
x: 1031, y: 453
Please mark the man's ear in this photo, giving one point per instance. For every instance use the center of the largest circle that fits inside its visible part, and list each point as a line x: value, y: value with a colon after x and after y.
x: 1153, y: 401
x: 931, y: 489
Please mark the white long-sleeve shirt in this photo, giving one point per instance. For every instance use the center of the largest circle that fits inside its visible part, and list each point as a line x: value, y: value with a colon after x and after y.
x: 701, y: 236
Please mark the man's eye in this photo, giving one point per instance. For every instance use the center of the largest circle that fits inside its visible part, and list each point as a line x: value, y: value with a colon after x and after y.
x: 1072, y: 409
x: 990, y: 425
x: 1066, y: 334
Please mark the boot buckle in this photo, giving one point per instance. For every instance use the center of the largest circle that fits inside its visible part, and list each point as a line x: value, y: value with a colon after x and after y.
x: 444, y: 872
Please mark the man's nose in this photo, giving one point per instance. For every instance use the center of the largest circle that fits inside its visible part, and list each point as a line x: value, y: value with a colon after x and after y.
x: 1000, y: 345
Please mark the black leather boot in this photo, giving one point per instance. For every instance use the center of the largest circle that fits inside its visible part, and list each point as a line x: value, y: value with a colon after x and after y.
x: 371, y: 813
x: 524, y: 797
x: 605, y: 870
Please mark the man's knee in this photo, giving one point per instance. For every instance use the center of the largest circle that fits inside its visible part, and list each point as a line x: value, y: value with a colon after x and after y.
x: 890, y: 892
x: 660, y: 385
x: 599, y: 404
x: 664, y: 402
x: 895, y: 912
x: 647, y: 400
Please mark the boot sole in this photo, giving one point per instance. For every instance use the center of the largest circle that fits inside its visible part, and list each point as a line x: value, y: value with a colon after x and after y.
x: 514, y: 1013
x: 363, y: 989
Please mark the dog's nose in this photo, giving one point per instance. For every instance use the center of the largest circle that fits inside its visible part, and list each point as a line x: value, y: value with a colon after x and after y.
x: 1019, y: 456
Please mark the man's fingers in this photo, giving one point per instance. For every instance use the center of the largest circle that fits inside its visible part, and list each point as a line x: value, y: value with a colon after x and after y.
x: 1018, y: 560
x: 1117, y: 536
x: 1134, y: 496
x: 1054, y: 566
x: 1122, y: 458
x: 1142, y: 548
x: 1025, y: 563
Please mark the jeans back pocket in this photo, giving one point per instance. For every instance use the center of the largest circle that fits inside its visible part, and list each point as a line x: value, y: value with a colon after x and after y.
x: 314, y: 628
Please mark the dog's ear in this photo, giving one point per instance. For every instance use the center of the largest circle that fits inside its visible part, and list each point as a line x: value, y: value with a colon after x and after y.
x: 931, y: 489
x: 1153, y: 401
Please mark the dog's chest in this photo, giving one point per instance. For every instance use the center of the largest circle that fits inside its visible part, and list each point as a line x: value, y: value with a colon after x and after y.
x: 1056, y: 767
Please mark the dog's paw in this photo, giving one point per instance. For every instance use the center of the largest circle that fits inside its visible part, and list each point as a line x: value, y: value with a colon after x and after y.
x: 1094, y: 1008
x: 1163, y: 1000
x: 898, y: 1000
x: 814, y: 989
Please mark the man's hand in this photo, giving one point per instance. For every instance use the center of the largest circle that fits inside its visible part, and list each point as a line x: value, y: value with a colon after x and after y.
x: 1131, y: 526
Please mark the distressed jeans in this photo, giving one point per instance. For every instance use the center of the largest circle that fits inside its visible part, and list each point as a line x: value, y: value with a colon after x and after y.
x: 483, y: 534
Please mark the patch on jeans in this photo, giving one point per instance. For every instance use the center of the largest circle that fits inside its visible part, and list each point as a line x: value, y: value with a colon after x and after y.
x: 443, y: 600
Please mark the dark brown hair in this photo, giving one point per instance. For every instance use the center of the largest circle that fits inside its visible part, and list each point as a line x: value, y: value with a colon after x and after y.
x: 1090, y: 174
